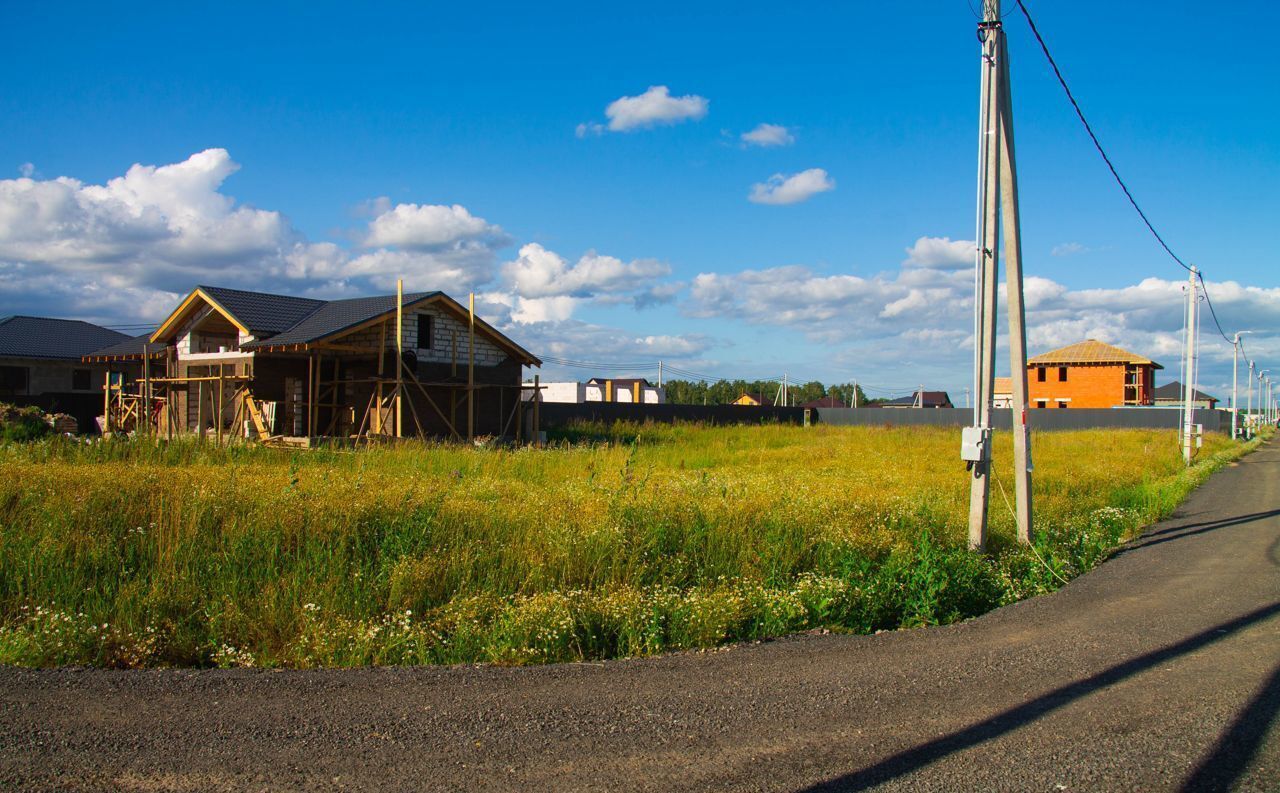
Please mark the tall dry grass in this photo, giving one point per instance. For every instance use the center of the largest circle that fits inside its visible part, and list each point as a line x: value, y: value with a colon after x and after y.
x: 624, y: 541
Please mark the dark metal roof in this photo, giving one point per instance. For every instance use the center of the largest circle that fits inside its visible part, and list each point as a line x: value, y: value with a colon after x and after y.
x: 135, y: 347
x: 44, y: 337
x: 1173, y: 391
x: 336, y: 316
x: 932, y: 399
x: 626, y: 382
x: 261, y: 313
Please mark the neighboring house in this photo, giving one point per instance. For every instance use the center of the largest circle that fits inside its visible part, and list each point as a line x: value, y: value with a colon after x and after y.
x: 625, y: 389
x: 271, y: 365
x: 1002, y: 396
x: 826, y: 402
x: 1170, y: 395
x: 920, y: 399
x: 753, y: 400
x: 41, y: 363
x: 1090, y: 374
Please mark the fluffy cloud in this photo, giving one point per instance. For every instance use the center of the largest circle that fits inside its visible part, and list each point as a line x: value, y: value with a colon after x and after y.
x: 1068, y: 249
x: 538, y: 273
x: 654, y: 107
x: 768, y: 135
x: 150, y: 235
x: 429, y: 227
x: 783, y: 189
x: 941, y: 252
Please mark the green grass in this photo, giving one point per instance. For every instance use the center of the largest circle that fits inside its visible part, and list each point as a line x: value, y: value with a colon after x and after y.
x: 620, y: 541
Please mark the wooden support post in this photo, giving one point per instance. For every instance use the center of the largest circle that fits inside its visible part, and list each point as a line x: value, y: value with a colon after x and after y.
x: 200, y: 408
x: 471, y: 370
x: 106, y: 401
x: 311, y: 377
x: 537, y: 411
x: 399, y: 351
x: 220, y: 403
x: 1017, y: 310
x: 146, y: 386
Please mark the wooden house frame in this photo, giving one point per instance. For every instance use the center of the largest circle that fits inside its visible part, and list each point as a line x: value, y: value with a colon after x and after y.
x: 228, y: 363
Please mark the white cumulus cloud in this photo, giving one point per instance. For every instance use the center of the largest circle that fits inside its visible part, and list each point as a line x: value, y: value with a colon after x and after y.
x: 655, y: 107
x: 783, y: 189
x: 941, y: 253
x: 768, y: 135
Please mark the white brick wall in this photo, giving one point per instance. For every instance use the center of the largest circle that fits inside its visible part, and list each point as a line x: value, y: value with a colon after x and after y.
x: 444, y: 331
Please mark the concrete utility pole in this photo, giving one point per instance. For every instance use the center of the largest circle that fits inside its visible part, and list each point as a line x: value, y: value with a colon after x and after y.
x: 1249, y: 414
x: 1235, y: 368
x: 997, y: 213
x: 659, y: 374
x: 1189, y: 368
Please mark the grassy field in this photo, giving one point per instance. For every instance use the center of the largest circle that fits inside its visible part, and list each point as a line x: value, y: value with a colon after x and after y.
x: 632, y: 541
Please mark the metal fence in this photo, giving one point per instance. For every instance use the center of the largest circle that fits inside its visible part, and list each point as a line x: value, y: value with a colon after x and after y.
x: 557, y: 414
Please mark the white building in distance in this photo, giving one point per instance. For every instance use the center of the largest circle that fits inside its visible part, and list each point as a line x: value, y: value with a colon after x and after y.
x: 635, y: 390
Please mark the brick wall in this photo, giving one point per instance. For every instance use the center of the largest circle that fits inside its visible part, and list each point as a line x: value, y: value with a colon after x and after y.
x: 446, y: 330
x: 1087, y: 386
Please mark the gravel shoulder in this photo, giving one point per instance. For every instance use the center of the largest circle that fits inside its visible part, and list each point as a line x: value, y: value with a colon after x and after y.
x: 1160, y: 670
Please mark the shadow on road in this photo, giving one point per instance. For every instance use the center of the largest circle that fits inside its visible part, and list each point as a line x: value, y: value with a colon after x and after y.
x: 1237, y: 746
x: 1179, y: 532
x: 925, y: 754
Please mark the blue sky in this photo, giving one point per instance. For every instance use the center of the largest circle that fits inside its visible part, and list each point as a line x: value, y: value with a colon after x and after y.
x: 333, y: 124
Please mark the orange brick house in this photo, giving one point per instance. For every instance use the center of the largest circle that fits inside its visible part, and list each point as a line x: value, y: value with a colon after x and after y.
x: 1090, y: 374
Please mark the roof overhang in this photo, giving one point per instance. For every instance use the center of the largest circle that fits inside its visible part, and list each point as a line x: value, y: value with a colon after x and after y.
x: 188, y: 307
x: 329, y: 340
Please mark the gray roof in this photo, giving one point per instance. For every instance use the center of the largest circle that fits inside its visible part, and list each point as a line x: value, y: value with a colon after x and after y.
x: 1173, y: 391
x: 931, y: 399
x: 44, y: 337
x: 263, y: 314
x: 334, y: 317
x: 129, y: 348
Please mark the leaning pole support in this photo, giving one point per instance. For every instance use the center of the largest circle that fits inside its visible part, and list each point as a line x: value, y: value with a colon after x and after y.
x: 997, y: 218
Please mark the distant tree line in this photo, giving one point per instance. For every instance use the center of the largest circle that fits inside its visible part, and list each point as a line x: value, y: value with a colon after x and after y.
x: 723, y: 392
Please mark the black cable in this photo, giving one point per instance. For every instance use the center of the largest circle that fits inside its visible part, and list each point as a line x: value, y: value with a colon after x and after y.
x: 1096, y: 143
x: 1213, y: 313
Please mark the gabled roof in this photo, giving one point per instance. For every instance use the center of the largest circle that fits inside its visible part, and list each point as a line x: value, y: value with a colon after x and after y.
x: 281, y: 321
x: 335, y: 317
x: 134, y: 348
x: 621, y: 382
x: 1173, y: 391
x: 760, y: 399
x: 1004, y: 385
x: 826, y: 402
x: 54, y: 339
x: 1091, y: 351
x: 932, y: 399
x: 256, y: 313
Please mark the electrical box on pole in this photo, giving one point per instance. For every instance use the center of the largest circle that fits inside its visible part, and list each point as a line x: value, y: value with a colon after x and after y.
x: 998, y: 220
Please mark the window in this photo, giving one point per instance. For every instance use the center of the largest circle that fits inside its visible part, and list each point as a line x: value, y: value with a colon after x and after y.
x: 13, y: 380
x: 1061, y: 403
x: 80, y: 380
x: 1040, y: 374
x: 1062, y: 374
x: 424, y: 331
x: 1042, y: 403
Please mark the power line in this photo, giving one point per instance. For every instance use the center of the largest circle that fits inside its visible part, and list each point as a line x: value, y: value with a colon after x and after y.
x: 1096, y: 143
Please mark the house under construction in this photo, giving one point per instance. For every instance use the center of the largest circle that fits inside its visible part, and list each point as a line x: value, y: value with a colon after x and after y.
x: 231, y: 363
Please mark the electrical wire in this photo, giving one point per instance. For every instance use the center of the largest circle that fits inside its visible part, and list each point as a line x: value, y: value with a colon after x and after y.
x: 1111, y: 166
x: 1092, y: 136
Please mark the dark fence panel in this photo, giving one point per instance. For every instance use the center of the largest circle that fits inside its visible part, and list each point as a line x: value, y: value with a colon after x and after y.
x: 559, y: 414
x: 1041, y: 419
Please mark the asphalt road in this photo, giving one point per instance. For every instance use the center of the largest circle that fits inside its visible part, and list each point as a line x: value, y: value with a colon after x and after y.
x: 1160, y: 670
